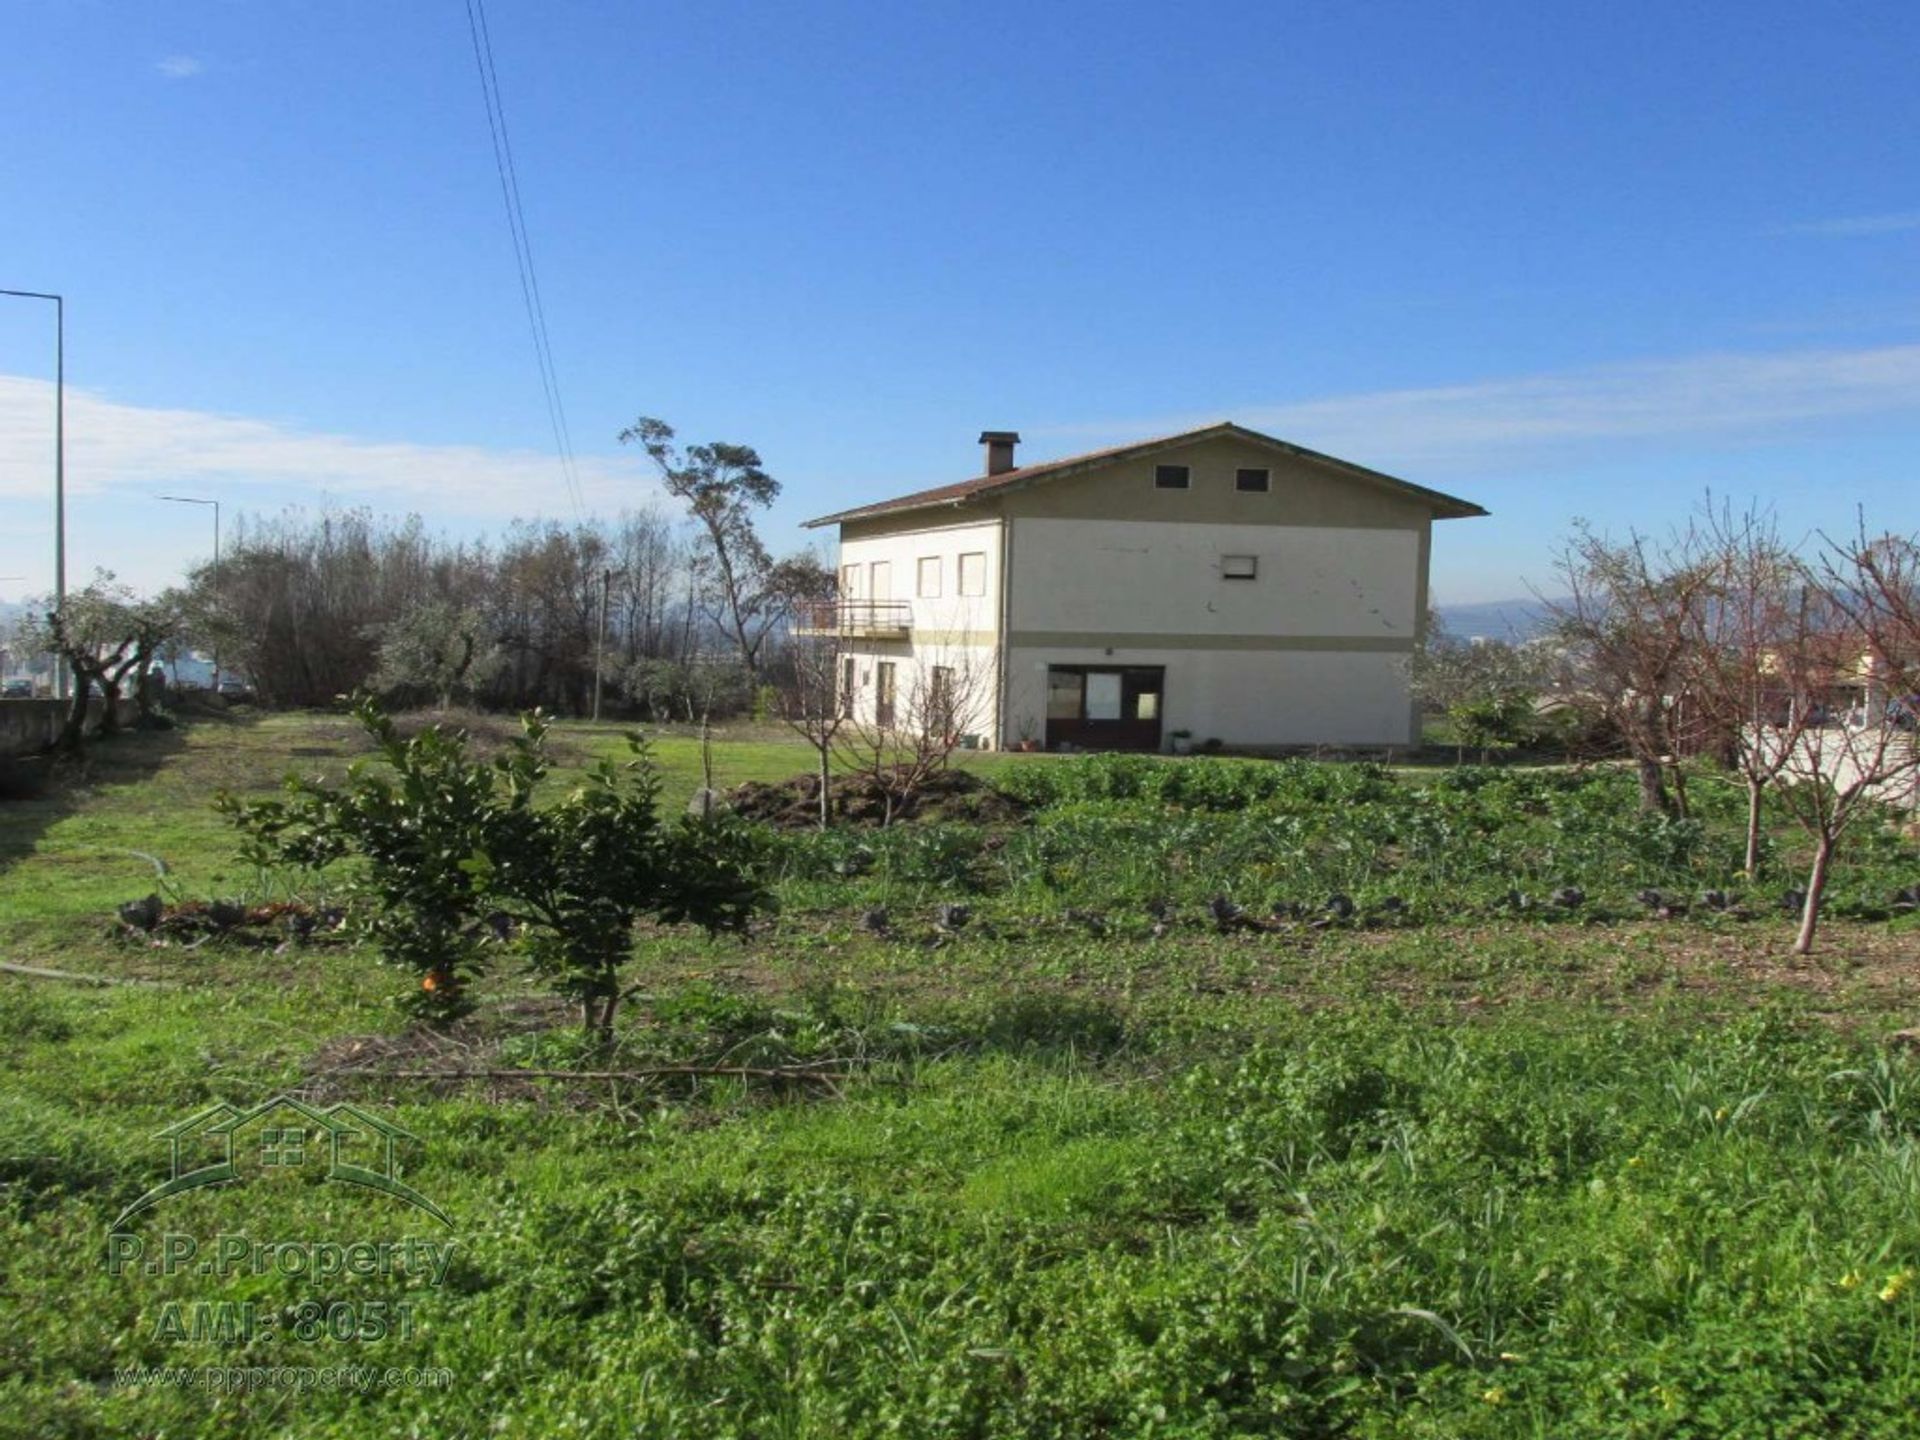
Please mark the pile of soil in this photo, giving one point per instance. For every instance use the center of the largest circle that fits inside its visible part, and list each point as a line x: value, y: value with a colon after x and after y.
x: 951, y: 795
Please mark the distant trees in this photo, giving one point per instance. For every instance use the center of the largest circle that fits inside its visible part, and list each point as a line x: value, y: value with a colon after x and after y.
x: 438, y: 649
x: 1488, y: 689
x: 313, y: 607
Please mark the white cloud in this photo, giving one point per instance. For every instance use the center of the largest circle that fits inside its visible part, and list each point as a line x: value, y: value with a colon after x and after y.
x: 181, y: 67
x: 113, y: 447
x: 1701, y: 396
x: 1846, y: 225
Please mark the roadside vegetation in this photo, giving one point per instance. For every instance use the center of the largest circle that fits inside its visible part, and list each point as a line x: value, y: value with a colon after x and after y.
x: 1109, y: 1119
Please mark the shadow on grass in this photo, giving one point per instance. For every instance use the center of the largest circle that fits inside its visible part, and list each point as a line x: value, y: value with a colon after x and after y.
x: 39, y: 791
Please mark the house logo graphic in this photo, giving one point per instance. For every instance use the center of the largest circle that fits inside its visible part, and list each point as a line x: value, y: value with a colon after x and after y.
x: 223, y: 1144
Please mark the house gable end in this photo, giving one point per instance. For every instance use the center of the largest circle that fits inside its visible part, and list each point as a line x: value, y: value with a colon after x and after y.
x: 1313, y: 474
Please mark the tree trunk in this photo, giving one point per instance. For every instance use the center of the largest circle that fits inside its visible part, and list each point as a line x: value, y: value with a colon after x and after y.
x: 1755, y: 789
x: 826, y: 773
x: 1653, y: 787
x: 1679, y: 791
x: 143, y: 684
x: 110, y: 710
x: 73, y: 732
x: 1816, y: 887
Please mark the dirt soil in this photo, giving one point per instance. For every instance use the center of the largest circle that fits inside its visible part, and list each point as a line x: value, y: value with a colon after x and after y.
x: 949, y: 795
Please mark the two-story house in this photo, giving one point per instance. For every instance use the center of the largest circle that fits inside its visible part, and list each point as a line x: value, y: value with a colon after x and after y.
x: 1220, y: 583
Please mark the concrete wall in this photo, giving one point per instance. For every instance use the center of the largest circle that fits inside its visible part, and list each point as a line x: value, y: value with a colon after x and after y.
x: 947, y: 617
x: 1152, y: 578
x: 28, y: 726
x: 951, y: 629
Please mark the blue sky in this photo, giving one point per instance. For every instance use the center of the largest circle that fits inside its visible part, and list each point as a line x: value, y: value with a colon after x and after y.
x: 1562, y: 259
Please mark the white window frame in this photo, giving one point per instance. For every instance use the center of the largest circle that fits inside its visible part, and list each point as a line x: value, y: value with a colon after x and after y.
x: 928, y: 565
x: 980, y: 573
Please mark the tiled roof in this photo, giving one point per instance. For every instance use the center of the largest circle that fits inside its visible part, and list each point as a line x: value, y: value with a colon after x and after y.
x: 1444, y: 506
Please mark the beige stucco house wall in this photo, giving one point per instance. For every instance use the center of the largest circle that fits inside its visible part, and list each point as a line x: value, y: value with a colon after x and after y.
x: 1101, y: 606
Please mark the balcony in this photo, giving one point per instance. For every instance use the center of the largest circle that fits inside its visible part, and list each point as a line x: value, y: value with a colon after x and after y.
x: 855, y: 619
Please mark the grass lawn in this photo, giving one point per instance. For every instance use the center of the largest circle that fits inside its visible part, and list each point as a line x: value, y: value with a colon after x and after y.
x: 1466, y: 1174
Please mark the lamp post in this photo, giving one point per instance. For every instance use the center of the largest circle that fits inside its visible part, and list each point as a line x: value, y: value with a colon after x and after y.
x: 59, y: 464
x: 194, y: 500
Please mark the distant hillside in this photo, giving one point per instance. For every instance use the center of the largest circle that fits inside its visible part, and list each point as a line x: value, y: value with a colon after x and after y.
x: 1511, y: 620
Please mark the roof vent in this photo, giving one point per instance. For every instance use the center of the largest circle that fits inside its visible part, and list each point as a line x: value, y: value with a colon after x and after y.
x: 999, y: 445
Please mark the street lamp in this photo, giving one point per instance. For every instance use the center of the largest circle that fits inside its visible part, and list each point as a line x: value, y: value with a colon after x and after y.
x: 194, y: 500
x: 59, y: 463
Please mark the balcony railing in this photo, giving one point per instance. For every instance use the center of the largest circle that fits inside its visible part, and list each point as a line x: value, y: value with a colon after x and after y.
x: 855, y: 619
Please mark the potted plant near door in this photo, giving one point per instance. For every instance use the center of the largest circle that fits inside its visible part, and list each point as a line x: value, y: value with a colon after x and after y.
x: 1180, y: 741
x: 1024, y: 727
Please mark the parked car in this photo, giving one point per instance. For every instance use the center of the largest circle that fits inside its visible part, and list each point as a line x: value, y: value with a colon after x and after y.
x: 16, y: 690
x: 232, y: 687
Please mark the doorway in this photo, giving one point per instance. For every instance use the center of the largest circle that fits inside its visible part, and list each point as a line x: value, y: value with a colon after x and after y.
x: 1105, y: 707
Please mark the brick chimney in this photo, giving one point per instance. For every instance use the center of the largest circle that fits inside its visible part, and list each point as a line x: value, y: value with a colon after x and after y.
x: 999, y: 445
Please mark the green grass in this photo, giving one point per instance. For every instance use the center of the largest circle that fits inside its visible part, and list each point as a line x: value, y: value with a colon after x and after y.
x: 1475, y: 1175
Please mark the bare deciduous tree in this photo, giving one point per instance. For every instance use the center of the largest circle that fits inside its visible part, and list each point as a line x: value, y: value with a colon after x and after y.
x: 1754, y: 664
x: 899, y: 749
x: 813, y: 701
x: 1841, y: 774
x: 1627, y: 623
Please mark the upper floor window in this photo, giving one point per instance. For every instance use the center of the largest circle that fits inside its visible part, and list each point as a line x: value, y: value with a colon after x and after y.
x: 880, y: 580
x: 1172, y: 477
x: 849, y: 582
x: 927, y: 578
x: 973, y: 573
x: 1253, y: 482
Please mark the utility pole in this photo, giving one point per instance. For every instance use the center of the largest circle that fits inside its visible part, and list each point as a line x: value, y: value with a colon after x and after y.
x: 59, y: 466
x: 600, y: 645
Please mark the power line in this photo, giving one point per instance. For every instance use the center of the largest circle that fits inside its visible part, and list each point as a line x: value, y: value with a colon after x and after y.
x: 533, y: 275
x: 522, y: 248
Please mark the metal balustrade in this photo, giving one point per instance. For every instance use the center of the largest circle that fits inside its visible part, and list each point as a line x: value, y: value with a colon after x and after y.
x: 855, y: 619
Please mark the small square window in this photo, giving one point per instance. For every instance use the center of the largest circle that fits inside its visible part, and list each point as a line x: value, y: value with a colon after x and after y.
x: 1239, y: 567
x: 1253, y: 482
x: 1172, y: 477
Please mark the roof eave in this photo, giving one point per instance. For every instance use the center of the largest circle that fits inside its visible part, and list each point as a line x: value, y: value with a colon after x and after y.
x: 1443, y: 505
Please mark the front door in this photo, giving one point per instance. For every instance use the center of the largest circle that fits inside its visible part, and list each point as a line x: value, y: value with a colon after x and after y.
x: 1094, y: 707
